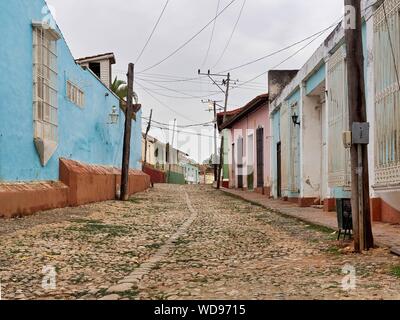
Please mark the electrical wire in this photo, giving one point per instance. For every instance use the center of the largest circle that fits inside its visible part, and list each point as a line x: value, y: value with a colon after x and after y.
x: 177, y: 91
x: 184, y: 132
x: 152, y: 32
x: 318, y: 35
x: 188, y: 41
x: 249, y: 62
x: 280, y: 50
x: 231, y: 36
x: 186, y: 97
x: 182, y: 126
x: 164, y: 104
x: 212, y: 36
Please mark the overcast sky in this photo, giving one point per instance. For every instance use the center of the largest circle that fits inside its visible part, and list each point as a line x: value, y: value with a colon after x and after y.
x: 123, y: 26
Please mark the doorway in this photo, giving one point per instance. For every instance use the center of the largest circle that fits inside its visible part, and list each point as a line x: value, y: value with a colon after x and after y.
x: 239, y: 172
x: 250, y: 162
x: 260, y: 158
x: 279, y: 169
x: 324, y: 154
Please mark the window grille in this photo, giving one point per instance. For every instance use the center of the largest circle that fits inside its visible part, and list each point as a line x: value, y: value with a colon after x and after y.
x: 45, y: 85
x: 338, y: 156
x: 75, y: 95
x: 387, y: 94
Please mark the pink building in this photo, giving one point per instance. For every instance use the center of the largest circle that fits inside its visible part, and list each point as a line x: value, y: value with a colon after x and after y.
x: 249, y: 146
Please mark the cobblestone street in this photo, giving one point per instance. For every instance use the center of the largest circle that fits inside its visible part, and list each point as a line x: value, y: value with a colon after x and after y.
x: 184, y: 242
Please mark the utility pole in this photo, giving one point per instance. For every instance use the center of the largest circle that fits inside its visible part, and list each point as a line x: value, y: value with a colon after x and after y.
x: 127, y: 136
x: 171, y: 147
x: 362, y: 229
x: 145, y: 138
x: 225, y: 82
x: 215, y: 141
x: 214, y: 158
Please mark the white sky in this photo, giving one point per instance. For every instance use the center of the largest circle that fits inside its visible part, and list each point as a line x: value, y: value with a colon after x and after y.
x: 123, y: 26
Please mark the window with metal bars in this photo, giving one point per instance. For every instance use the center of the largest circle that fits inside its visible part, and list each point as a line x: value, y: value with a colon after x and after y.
x: 75, y: 95
x: 387, y: 93
x: 338, y: 156
x: 45, y: 84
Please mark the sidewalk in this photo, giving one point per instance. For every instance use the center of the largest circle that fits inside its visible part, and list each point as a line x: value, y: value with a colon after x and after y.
x: 385, y: 235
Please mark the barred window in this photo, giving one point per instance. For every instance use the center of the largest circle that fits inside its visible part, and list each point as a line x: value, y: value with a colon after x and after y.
x: 75, y: 95
x: 338, y: 156
x: 387, y: 93
x: 45, y: 84
x: 45, y: 109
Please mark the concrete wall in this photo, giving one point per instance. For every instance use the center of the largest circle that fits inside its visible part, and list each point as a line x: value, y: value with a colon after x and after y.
x: 191, y: 174
x: 276, y: 138
x: 84, y: 133
x: 245, y: 127
x: 80, y: 184
x: 311, y: 146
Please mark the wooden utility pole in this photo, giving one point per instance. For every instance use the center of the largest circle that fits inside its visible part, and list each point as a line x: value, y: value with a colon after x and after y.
x: 214, y: 156
x: 215, y: 141
x: 226, y: 92
x: 171, y: 147
x: 127, y: 136
x: 221, y: 162
x: 145, y: 138
x: 362, y: 229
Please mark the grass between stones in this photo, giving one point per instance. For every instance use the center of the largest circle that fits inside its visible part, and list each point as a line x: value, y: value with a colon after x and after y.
x: 131, y: 294
x: 97, y: 226
x: 395, y: 271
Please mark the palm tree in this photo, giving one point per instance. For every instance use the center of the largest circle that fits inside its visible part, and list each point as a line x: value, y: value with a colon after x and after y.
x: 120, y: 88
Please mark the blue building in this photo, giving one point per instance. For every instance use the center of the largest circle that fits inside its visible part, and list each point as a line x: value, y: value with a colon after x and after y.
x: 310, y: 112
x: 51, y: 107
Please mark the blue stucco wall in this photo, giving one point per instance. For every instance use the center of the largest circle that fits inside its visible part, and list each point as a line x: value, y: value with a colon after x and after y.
x: 194, y: 170
x: 292, y: 99
x: 315, y: 79
x: 276, y: 138
x: 84, y: 133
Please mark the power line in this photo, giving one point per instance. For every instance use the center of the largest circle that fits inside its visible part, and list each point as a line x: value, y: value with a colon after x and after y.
x: 282, y: 62
x: 184, y: 132
x: 255, y: 85
x: 231, y: 36
x: 173, y: 90
x: 188, y: 41
x: 281, y: 50
x: 182, y: 126
x: 212, y: 35
x: 152, y: 32
x: 164, y: 104
x: 186, y: 97
x: 255, y: 60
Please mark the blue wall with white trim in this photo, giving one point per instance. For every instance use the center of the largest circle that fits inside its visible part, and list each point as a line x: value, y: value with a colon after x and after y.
x: 84, y: 133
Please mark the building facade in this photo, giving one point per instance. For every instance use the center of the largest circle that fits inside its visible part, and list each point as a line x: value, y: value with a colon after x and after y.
x: 310, y: 164
x: 52, y: 108
x: 249, y: 146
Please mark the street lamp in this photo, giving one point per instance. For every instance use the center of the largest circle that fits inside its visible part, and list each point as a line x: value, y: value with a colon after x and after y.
x: 295, y: 119
x: 114, y: 116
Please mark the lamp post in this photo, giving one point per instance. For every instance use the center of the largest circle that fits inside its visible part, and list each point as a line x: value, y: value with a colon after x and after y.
x: 295, y: 119
x: 114, y: 116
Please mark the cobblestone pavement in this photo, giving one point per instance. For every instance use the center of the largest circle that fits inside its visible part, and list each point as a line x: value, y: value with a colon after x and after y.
x: 185, y: 242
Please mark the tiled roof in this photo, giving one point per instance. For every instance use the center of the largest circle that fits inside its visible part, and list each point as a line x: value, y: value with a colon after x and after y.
x: 109, y: 55
x: 249, y: 107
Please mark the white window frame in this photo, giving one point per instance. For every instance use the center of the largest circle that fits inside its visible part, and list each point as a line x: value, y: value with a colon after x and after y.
x: 75, y: 94
x: 387, y: 95
x: 45, y: 92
